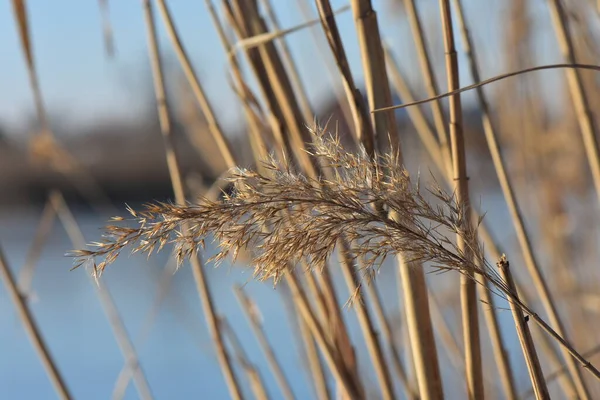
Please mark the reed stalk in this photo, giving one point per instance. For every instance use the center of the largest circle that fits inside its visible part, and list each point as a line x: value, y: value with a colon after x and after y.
x: 468, y: 291
x: 421, y: 331
x: 109, y: 307
x: 531, y: 359
x: 198, y: 90
x: 509, y: 196
x: 580, y: 103
x: 429, y: 79
x: 176, y: 180
x: 290, y: 64
x: 307, y: 350
x: 256, y: 383
x: 342, y: 100
x: 252, y: 315
x: 33, y: 331
x: 386, y: 332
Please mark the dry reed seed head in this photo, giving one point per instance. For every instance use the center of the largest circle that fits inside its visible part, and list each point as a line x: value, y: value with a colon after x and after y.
x: 286, y: 217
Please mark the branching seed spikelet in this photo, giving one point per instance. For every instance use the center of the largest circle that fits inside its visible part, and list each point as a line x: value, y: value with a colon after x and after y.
x: 306, y: 217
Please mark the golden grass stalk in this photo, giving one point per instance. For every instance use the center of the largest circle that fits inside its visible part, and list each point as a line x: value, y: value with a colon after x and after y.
x: 386, y: 332
x: 351, y: 388
x: 291, y: 68
x: 306, y: 11
x: 543, y: 340
x: 564, y: 369
x: 363, y: 129
x: 262, y: 38
x: 256, y: 383
x: 325, y: 296
x: 175, y: 174
x: 253, y: 316
x: 415, y: 114
x: 580, y: 101
x: 531, y: 359
x: 468, y: 291
x: 32, y: 330
x: 106, y: 301
x: 197, y: 89
x: 508, y: 192
x: 429, y: 79
x: 376, y: 80
x: 306, y: 346
x: 245, y: 14
x: 314, y: 363
x: 349, y: 270
x: 379, y: 93
x: 272, y: 72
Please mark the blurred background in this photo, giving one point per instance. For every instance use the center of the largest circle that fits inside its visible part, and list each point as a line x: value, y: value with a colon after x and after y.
x: 105, y: 151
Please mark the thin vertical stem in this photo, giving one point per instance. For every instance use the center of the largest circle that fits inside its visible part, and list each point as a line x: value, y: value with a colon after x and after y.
x: 386, y: 332
x: 256, y: 382
x: 531, y: 359
x: 580, y: 100
x: 213, y: 124
x: 106, y: 301
x: 251, y: 312
x: 429, y: 79
x: 293, y: 72
x: 32, y: 330
x: 175, y: 174
x: 470, y: 320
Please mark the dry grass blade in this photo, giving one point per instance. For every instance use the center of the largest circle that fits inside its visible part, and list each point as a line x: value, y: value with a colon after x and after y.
x: 255, y: 41
x: 531, y: 359
x: 492, y: 80
x: 32, y: 330
x: 468, y: 291
x: 175, y: 174
x: 252, y: 314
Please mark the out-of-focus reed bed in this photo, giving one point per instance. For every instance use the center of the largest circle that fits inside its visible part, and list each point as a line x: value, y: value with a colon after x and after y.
x: 342, y: 195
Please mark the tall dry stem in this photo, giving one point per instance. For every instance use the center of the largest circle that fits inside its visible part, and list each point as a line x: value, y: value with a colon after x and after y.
x: 429, y: 79
x: 107, y: 303
x: 252, y: 315
x: 468, y: 291
x: 176, y: 180
x: 33, y: 331
x: 531, y: 359
x: 580, y: 100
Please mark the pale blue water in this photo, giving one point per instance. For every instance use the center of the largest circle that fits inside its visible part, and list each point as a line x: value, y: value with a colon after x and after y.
x: 177, y: 356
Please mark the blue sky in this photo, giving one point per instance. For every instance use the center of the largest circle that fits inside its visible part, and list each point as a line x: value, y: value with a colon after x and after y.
x: 80, y: 84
